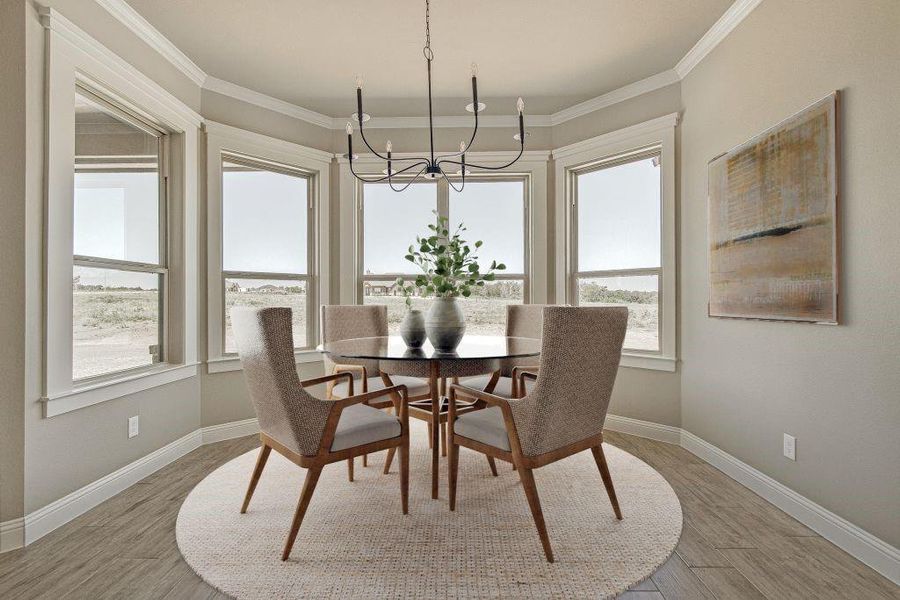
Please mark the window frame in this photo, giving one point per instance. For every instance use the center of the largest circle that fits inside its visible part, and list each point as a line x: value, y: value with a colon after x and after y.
x: 74, y: 59
x: 160, y: 267
x: 307, y: 278
x: 655, y: 137
x: 442, y: 205
x: 531, y: 169
x: 280, y: 156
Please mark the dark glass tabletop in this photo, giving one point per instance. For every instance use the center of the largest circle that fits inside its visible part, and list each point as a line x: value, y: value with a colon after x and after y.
x: 471, y: 347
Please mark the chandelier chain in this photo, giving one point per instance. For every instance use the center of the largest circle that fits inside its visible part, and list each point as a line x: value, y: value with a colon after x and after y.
x: 427, y: 24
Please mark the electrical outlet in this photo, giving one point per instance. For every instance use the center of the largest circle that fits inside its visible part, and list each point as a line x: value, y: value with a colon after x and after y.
x: 790, y: 447
x: 134, y: 426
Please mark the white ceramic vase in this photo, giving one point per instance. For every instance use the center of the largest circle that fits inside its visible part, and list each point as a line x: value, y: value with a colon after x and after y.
x: 445, y: 324
x: 412, y: 329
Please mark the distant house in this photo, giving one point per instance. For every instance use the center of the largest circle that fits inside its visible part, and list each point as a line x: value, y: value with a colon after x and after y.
x: 378, y: 288
x: 234, y: 287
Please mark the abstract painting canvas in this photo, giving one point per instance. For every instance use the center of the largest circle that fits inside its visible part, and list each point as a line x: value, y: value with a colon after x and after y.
x: 773, y: 222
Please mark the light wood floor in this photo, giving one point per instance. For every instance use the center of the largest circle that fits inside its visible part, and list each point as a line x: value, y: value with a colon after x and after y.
x: 734, y: 545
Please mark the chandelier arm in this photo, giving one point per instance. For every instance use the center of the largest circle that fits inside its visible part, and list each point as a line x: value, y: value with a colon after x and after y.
x: 450, y: 183
x: 366, y: 142
x: 474, y: 166
x: 422, y: 161
x: 409, y: 183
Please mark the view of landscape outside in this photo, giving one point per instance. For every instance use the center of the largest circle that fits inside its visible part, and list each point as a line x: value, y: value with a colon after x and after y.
x: 116, y: 306
x: 619, y: 213
x: 115, y: 320
x: 264, y: 293
x: 265, y: 221
x: 491, y: 211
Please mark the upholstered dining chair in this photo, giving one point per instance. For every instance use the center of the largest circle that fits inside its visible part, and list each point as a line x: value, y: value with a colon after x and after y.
x: 522, y: 320
x: 306, y: 430
x: 342, y: 322
x: 562, y: 415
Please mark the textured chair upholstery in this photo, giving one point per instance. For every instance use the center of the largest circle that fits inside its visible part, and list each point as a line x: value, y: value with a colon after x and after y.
x: 344, y: 322
x: 360, y: 424
x: 286, y: 411
x: 522, y: 320
x: 580, y: 352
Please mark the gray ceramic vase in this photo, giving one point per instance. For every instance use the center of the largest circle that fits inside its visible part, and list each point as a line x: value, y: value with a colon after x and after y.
x: 412, y: 329
x: 445, y: 324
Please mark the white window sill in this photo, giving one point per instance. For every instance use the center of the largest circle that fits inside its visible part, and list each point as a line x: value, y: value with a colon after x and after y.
x: 94, y: 393
x: 653, y: 362
x: 224, y: 364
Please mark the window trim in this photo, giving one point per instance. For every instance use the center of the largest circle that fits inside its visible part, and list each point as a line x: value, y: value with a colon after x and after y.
x: 609, y: 149
x: 279, y: 156
x: 74, y: 58
x: 532, y: 167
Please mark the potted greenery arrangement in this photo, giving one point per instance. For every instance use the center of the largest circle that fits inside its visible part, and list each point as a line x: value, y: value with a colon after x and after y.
x: 450, y: 269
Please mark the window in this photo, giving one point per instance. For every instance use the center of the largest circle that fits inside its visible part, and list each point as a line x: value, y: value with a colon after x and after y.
x: 617, y: 252
x: 492, y: 210
x: 119, y: 270
x: 390, y: 223
x: 266, y: 242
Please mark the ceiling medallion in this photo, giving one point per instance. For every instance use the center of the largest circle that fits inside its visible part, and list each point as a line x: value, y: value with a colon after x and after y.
x: 431, y: 167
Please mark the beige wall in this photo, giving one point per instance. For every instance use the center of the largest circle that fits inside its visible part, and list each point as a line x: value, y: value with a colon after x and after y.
x: 12, y: 266
x: 64, y: 453
x: 837, y: 389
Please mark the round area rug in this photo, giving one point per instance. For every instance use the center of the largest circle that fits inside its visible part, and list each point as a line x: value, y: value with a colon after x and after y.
x: 356, y: 543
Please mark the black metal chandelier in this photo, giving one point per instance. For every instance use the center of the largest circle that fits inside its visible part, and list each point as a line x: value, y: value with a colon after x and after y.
x: 430, y: 167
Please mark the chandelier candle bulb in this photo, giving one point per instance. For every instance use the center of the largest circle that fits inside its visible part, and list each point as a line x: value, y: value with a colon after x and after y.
x: 388, y: 147
x: 474, y: 70
x: 359, y: 82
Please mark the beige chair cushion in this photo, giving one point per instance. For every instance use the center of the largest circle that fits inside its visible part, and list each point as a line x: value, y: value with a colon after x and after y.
x: 414, y: 385
x: 485, y: 426
x: 360, y: 424
x: 503, y: 387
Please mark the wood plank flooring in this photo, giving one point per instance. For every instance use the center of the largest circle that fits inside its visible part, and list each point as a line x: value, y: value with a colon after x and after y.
x: 734, y: 545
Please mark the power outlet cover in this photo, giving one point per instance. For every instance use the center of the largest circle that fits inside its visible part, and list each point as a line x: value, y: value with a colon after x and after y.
x: 790, y: 447
x: 134, y: 426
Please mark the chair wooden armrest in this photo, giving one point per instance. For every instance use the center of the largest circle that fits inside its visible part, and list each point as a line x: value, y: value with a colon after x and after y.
x: 486, y: 397
x: 343, y: 368
x: 330, y: 379
x: 518, y: 383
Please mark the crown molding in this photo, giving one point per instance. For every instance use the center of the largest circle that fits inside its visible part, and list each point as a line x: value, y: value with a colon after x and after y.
x: 226, y: 88
x: 142, y: 28
x: 714, y: 36
x: 632, y: 90
x: 53, y: 20
x: 653, y: 125
x: 129, y: 17
x: 498, y: 156
x: 461, y: 121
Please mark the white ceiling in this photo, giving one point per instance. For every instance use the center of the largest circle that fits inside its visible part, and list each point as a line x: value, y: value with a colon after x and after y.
x: 554, y: 54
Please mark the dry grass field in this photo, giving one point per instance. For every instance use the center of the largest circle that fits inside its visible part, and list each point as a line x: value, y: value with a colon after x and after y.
x: 115, y: 329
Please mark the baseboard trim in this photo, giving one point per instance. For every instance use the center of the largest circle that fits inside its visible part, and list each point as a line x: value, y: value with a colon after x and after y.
x: 58, y: 513
x: 229, y: 431
x: 853, y: 540
x: 644, y: 429
x: 857, y: 542
x: 12, y: 534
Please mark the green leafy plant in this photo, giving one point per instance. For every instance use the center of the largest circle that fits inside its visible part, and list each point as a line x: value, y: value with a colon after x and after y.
x: 449, y: 265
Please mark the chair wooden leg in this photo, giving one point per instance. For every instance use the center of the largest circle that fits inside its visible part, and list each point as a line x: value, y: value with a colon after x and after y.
x: 453, y: 472
x: 430, y: 432
x: 350, y: 468
x: 443, y: 439
x: 404, y: 476
x: 365, y: 460
x: 309, y: 486
x: 492, y: 464
x: 514, y: 466
x: 264, y: 452
x: 388, y: 460
x: 600, y: 458
x: 535, y: 504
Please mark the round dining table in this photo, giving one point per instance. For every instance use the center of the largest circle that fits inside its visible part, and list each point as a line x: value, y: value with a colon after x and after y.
x: 475, y: 355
